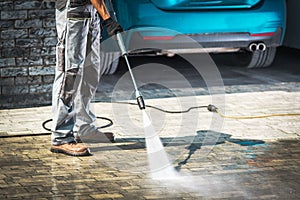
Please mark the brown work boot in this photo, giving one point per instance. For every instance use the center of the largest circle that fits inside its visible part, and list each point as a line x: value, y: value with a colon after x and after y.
x: 72, y: 149
x: 96, y: 137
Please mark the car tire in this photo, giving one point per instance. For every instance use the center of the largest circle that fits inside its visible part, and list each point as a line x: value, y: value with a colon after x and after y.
x: 252, y: 60
x: 261, y: 59
x: 109, y: 62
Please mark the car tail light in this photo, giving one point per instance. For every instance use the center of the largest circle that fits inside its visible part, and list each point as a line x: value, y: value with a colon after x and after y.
x: 262, y: 34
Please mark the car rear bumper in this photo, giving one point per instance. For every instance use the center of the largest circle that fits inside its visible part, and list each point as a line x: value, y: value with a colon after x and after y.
x: 197, y: 43
x: 241, y: 40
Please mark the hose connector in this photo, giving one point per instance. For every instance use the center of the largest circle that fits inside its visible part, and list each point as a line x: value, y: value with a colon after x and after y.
x: 212, y: 108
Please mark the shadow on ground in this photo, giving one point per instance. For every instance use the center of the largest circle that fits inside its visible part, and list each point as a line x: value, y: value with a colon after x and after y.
x: 191, y: 143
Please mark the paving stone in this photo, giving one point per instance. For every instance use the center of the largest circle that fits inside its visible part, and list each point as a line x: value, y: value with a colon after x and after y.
x: 243, y: 159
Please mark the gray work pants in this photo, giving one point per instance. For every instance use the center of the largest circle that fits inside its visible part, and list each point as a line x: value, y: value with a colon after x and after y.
x: 77, y: 70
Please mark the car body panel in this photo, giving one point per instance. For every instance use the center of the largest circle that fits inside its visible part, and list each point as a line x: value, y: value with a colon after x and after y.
x: 204, y: 4
x: 212, y: 23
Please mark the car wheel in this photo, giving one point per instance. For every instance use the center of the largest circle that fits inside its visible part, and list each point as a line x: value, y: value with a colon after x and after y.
x: 251, y: 60
x: 109, y: 62
x: 261, y: 59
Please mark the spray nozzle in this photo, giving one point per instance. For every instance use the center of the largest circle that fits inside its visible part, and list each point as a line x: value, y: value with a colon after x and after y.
x: 141, y: 102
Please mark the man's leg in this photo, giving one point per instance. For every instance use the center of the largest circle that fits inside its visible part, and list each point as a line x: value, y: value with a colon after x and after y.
x: 62, y: 113
x: 85, y: 126
x: 72, y: 30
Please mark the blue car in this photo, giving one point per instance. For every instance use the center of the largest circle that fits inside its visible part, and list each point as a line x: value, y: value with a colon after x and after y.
x: 251, y: 29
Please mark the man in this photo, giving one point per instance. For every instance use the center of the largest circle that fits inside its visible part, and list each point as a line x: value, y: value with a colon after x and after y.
x: 78, y: 74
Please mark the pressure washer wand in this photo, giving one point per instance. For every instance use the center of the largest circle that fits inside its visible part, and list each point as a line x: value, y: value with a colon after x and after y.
x: 138, y: 95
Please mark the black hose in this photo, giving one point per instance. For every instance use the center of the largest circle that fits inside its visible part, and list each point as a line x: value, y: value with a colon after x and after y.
x: 162, y: 110
x: 110, y: 123
x: 210, y: 108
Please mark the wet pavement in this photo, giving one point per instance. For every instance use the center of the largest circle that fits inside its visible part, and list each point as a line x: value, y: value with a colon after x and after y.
x: 216, y: 158
x: 235, y: 169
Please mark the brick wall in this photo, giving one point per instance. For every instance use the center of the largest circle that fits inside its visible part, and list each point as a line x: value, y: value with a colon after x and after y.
x: 27, y: 52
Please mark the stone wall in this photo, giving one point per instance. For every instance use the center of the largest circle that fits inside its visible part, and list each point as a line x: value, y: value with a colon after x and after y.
x: 27, y: 52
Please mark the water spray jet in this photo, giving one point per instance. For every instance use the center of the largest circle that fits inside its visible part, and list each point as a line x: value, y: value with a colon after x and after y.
x: 159, y: 164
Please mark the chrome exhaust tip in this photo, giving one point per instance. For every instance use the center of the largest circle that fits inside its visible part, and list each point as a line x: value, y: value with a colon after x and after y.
x: 253, y: 47
x: 257, y: 47
x: 261, y: 47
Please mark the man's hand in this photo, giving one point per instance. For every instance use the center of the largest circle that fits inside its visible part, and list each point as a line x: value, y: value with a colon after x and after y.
x: 112, y: 26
